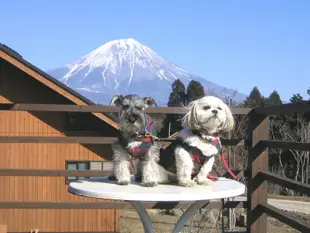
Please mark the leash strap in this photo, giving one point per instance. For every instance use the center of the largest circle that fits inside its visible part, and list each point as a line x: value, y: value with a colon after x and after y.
x: 216, y: 143
x: 224, y: 162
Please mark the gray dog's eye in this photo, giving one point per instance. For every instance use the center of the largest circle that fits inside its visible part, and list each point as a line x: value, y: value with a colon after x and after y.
x: 138, y: 107
x: 206, y: 107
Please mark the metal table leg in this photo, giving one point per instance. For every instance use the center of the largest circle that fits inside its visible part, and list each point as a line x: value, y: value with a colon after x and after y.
x: 145, y: 218
x: 147, y: 222
x: 187, y: 215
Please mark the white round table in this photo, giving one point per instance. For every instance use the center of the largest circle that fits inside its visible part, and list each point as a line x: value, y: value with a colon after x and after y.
x: 102, y: 187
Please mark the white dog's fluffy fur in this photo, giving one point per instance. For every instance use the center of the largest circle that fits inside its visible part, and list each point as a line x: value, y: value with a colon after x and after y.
x: 209, y: 116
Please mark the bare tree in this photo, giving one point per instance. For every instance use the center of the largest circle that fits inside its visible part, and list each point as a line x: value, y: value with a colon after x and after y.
x: 276, y: 133
x: 298, y: 133
x: 240, y: 152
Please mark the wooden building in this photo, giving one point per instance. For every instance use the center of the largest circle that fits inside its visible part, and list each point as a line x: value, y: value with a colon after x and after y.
x: 21, y: 82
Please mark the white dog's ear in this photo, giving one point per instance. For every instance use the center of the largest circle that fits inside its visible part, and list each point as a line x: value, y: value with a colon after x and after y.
x: 117, y: 100
x: 189, y: 120
x: 230, y: 121
x: 149, y: 101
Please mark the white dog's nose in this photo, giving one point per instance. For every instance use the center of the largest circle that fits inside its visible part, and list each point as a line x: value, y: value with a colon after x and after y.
x: 214, y: 111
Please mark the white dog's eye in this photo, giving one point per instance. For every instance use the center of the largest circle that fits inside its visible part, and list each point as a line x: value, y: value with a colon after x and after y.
x: 206, y: 107
x: 219, y: 108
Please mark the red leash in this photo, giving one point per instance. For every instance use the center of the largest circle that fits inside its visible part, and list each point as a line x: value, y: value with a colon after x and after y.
x: 224, y: 162
x: 227, y: 169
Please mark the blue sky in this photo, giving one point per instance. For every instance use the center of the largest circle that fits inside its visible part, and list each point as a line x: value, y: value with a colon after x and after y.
x: 237, y: 44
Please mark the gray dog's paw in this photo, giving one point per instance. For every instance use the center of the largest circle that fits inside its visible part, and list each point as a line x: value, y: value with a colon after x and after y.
x: 112, y: 178
x: 150, y: 184
x: 123, y: 182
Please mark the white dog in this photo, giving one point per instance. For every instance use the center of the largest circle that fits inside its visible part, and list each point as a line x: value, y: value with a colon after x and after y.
x: 191, y: 156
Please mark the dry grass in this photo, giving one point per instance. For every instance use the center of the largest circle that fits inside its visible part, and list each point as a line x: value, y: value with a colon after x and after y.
x: 130, y: 223
x: 290, y: 198
x: 163, y: 223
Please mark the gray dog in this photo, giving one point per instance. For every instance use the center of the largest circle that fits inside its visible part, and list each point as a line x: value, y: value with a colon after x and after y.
x: 136, y: 145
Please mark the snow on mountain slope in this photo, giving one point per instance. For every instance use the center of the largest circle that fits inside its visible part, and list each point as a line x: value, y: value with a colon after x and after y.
x: 124, y: 67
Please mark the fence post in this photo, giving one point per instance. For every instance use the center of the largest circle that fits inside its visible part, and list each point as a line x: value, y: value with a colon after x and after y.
x: 257, y: 189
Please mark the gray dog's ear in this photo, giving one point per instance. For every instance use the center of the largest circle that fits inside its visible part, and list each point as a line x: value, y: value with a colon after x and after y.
x: 149, y: 101
x: 117, y: 100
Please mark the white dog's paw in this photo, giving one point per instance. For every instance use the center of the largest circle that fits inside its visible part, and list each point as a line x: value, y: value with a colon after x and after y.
x: 150, y: 184
x: 124, y: 182
x: 203, y: 181
x: 149, y: 181
x: 164, y: 182
x: 187, y: 183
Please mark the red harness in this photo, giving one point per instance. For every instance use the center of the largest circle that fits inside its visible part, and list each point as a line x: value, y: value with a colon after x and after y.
x: 222, y: 152
x: 147, y: 138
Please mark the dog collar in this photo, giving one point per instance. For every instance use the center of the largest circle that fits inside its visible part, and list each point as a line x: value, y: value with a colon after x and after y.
x: 198, y: 133
x: 146, y: 137
x: 215, y: 142
x: 148, y: 133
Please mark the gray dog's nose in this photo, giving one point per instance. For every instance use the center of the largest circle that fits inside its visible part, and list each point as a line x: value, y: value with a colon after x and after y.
x: 214, y: 111
x: 132, y: 118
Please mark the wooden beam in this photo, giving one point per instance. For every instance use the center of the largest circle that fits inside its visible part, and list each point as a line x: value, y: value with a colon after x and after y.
x: 3, y: 228
x: 286, y: 218
x: 78, y: 173
x: 91, y: 140
x: 57, y: 139
x: 284, y: 108
x: 111, y: 205
x: 287, y: 145
x: 285, y: 182
x: 33, y: 231
x: 98, y: 109
x: 258, y: 129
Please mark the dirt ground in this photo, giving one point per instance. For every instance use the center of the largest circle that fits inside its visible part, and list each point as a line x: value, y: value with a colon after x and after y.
x: 164, y: 223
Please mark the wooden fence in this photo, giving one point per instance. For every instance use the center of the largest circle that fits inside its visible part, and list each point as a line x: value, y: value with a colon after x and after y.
x: 257, y: 173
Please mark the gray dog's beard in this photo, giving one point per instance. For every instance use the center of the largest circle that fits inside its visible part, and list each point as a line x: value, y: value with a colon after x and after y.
x: 129, y: 129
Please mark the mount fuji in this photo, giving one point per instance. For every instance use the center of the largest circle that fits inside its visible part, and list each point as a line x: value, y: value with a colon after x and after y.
x: 126, y: 66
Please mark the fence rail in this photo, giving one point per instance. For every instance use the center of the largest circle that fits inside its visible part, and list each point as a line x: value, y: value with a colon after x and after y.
x: 112, y: 205
x: 286, y: 182
x: 98, y: 109
x: 285, y: 217
x: 91, y: 140
x: 110, y: 140
x: 284, y: 108
x: 286, y: 145
x: 78, y: 173
x: 257, y: 174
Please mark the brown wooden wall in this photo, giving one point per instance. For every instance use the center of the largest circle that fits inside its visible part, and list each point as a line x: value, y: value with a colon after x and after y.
x: 18, y: 87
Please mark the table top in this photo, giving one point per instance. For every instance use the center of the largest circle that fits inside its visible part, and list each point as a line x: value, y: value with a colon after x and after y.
x: 102, y: 187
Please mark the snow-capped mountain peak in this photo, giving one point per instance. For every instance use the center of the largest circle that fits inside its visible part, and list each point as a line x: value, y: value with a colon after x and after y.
x: 124, y: 66
x: 117, y: 51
